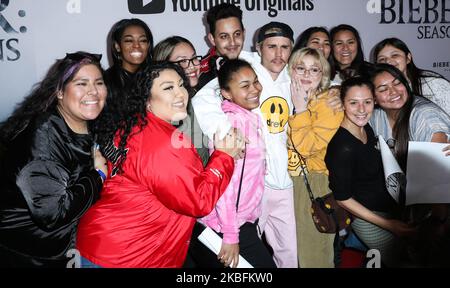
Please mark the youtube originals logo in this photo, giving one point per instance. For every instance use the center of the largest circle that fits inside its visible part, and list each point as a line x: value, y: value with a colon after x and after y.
x: 182, y: 6
x: 146, y: 6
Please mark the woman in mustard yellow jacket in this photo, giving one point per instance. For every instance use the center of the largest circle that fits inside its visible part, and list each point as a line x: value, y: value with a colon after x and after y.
x: 311, y: 128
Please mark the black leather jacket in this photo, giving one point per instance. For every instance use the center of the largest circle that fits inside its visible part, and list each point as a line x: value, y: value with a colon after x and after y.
x: 47, y: 182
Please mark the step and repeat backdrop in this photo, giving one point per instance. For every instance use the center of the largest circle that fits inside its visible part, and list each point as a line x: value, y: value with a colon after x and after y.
x: 34, y: 33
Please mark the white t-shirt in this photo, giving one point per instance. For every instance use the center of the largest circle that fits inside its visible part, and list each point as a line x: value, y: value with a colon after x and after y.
x: 275, y: 108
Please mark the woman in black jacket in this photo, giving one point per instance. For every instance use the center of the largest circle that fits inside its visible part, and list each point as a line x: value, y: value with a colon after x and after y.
x: 49, y: 176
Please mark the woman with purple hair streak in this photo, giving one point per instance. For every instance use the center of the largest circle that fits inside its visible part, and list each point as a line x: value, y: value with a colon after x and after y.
x: 50, y: 176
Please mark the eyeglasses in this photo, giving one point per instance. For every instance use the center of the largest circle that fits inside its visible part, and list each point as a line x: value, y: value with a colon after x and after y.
x: 195, y: 61
x: 314, y: 71
x: 78, y: 56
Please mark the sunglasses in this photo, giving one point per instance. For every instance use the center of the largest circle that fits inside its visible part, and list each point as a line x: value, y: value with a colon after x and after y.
x: 78, y: 56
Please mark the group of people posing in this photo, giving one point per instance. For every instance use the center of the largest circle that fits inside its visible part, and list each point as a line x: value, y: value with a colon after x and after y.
x: 128, y: 165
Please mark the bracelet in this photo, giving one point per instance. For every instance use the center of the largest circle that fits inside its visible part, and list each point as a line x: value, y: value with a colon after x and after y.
x: 100, y: 172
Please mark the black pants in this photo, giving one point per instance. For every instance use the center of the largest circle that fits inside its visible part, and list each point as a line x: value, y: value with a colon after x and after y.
x: 251, y: 248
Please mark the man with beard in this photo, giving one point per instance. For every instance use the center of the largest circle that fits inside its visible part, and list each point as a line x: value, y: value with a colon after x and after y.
x: 275, y: 41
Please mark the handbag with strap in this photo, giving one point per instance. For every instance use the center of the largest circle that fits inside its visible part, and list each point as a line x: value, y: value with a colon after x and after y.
x: 328, y: 216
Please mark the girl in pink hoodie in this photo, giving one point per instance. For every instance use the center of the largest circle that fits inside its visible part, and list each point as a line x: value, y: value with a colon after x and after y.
x: 236, y: 213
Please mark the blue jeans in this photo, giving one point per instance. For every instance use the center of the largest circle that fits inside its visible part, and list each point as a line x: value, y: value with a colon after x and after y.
x: 352, y: 241
x: 85, y: 263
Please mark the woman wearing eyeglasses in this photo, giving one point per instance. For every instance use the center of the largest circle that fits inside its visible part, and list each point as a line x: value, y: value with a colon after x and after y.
x: 181, y: 52
x: 50, y: 176
x: 311, y: 129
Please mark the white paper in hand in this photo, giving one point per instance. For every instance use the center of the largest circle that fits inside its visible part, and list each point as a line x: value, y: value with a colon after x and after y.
x: 393, y: 174
x: 210, y: 239
x: 428, y: 173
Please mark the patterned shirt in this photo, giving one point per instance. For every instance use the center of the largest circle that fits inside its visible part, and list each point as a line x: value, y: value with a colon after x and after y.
x: 437, y: 90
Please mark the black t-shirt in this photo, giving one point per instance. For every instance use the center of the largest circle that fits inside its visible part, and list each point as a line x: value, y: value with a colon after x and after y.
x: 356, y: 170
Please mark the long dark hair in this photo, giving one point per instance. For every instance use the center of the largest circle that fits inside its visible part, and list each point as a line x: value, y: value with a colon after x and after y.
x: 43, y: 96
x: 302, y: 41
x: 413, y: 72
x: 358, y: 65
x: 116, y: 34
x: 122, y: 116
x: 400, y: 131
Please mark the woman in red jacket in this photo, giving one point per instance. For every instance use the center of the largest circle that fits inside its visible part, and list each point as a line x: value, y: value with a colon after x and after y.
x: 157, y: 184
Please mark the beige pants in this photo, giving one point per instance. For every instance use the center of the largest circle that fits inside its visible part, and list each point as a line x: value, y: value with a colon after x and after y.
x: 315, y: 249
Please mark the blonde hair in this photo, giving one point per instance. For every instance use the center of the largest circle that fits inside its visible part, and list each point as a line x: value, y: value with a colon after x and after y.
x: 300, y: 54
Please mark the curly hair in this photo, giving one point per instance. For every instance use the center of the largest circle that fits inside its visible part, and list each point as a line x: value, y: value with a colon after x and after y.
x: 43, y: 96
x: 123, y: 114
